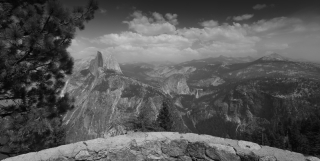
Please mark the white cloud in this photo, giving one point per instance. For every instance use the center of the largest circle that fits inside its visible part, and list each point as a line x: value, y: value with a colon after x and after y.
x: 243, y: 17
x: 227, y: 33
x: 153, y: 40
x: 278, y: 24
x: 172, y: 18
x: 136, y: 53
x: 259, y: 6
x: 154, y: 37
x: 210, y: 23
x: 221, y: 40
x: 229, y: 49
x: 137, y: 47
x: 159, y: 18
x: 262, y: 6
x: 139, y: 40
x: 155, y: 25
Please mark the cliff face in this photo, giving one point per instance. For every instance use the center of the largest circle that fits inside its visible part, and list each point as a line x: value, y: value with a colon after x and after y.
x: 163, y: 146
x: 175, y: 84
x: 213, y: 81
x: 103, y: 62
x: 165, y: 71
x: 106, y: 102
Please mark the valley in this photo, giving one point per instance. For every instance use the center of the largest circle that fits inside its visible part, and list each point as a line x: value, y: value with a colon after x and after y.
x: 239, y: 98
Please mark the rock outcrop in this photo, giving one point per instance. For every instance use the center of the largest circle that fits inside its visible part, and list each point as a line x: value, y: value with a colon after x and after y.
x: 163, y: 146
x: 103, y: 62
x: 175, y: 84
x: 273, y: 57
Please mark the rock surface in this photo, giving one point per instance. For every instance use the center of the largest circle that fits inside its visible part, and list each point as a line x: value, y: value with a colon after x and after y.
x: 162, y: 146
x: 106, y: 62
x: 273, y: 57
x: 214, y: 81
x: 175, y: 84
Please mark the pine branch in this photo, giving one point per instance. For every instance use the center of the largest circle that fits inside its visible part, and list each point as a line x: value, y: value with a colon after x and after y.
x: 45, y: 24
x: 8, y: 98
x: 90, y: 9
x: 24, y: 57
x: 31, y: 48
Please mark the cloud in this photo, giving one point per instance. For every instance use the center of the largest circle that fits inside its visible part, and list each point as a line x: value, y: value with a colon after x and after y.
x: 172, y: 18
x: 184, y: 44
x: 139, y: 40
x: 262, y: 6
x: 229, y: 49
x: 210, y: 23
x: 222, y: 40
x: 103, y: 11
x: 259, y: 6
x: 129, y: 53
x: 227, y: 33
x: 155, y: 25
x: 278, y: 24
x: 243, y: 17
x: 130, y: 46
x: 276, y: 46
x: 154, y: 37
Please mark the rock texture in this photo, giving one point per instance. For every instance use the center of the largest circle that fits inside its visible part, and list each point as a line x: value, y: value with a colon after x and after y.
x: 273, y: 57
x: 214, y: 81
x: 164, y: 71
x: 105, y: 62
x: 175, y: 84
x: 163, y: 146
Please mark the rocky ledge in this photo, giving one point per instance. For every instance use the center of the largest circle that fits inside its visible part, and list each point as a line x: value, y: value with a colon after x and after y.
x: 163, y: 146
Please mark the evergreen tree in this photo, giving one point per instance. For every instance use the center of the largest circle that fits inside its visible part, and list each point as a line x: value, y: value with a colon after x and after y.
x: 143, y: 122
x: 164, y: 118
x: 34, y: 36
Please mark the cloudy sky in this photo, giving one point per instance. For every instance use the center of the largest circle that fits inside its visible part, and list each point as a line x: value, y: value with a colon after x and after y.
x: 167, y: 30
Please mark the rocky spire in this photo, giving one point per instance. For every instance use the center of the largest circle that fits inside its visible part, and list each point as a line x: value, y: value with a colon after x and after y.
x: 111, y: 63
x: 106, y: 62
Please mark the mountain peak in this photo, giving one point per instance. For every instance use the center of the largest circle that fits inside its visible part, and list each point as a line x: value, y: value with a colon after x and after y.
x: 107, y: 62
x: 111, y: 63
x: 273, y: 57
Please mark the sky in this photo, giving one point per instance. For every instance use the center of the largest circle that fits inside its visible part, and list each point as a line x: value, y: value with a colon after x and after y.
x: 177, y: 31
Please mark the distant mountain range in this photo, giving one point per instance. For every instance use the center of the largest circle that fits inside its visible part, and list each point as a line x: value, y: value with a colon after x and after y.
x: 238, y: 98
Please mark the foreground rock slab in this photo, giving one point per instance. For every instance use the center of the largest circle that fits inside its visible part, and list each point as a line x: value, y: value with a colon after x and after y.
x: 163, y: 146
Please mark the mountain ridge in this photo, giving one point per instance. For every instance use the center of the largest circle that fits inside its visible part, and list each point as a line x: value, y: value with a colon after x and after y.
x: 223, y: 97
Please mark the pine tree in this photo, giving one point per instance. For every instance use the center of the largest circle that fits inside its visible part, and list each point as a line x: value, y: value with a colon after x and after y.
x: 143, y: 122
x: 164, y: 118
x: 34, y: 36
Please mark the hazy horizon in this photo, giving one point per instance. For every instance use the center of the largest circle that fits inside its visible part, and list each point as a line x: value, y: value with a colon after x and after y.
x: 149, y: 31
